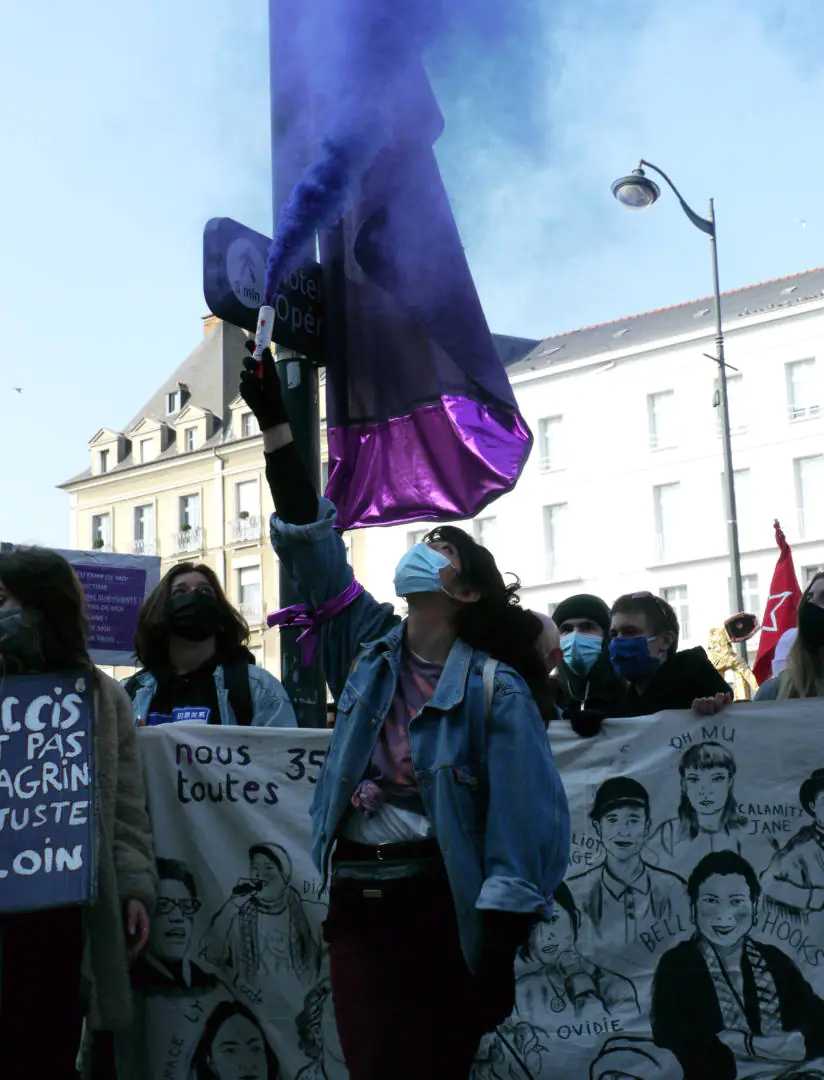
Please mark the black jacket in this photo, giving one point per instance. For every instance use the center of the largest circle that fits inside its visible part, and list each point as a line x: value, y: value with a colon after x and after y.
x: 589, y: 699
x: 677, y: 683
x: 686, y: 1017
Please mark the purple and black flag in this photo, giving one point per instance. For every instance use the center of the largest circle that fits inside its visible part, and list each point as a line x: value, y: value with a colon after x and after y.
x: 421, y: 420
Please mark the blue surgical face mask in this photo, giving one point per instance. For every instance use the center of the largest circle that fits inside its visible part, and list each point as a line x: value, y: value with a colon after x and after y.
x: 631, y: 657
x: 581, y: 651
x: 419, y: 571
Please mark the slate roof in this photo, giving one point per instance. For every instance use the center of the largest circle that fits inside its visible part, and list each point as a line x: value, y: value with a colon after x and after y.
x: 637, y: 330
x: 211, y: 372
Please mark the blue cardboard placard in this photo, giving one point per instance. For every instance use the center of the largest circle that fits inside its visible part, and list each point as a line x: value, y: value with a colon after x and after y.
x: 47, y: 791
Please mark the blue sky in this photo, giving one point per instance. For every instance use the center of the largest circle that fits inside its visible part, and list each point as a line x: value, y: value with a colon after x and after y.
x: 124, y: 128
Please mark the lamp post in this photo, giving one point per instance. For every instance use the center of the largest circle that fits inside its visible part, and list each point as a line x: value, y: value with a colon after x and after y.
x: 637, y: 191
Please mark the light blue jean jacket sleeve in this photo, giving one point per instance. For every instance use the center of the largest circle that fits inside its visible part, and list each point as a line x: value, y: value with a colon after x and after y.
x: 526, y: 799
x: 314, y: 556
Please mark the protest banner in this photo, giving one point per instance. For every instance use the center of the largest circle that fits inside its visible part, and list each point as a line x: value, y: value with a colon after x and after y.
x: 115, y: 587
x: 47, y: 788
x: 691, y: 918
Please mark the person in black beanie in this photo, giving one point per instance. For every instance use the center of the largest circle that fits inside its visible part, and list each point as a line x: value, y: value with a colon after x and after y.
x: 593, y: 689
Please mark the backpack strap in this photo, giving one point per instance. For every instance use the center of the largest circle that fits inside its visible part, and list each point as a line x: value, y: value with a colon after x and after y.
x: 489, y: 670
x: 236, y: 677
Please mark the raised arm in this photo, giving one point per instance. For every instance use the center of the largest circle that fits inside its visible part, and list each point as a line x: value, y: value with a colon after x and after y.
x: 303, y: 534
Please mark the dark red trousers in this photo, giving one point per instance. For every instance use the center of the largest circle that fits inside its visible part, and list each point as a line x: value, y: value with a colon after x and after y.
x: 402, y: 992
x: 40, y: 1012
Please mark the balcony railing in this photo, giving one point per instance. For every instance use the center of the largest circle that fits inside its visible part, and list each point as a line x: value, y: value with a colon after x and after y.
x: 803, y: 412
x: 252, y: 613
x: 147, y: 546
x: 246, y: 528
x: 101, y: 543
x: 189, y: 540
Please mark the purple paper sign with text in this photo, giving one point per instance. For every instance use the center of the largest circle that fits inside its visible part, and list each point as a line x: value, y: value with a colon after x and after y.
x: 115, y: 587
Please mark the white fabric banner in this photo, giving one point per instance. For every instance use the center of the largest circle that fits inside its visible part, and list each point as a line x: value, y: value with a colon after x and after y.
x: 692, y: 915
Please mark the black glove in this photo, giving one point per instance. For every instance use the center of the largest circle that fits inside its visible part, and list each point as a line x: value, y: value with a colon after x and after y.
x: 263, y: 395
x: 585, y: 722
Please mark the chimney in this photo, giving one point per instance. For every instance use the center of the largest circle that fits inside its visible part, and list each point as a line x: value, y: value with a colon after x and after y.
x: 209, y: 323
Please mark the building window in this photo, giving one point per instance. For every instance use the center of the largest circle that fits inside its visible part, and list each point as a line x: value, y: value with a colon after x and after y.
x: 190, y: 439
x: 249, y: 593
x: 550, y: 443
x: 104, y: 461
x: 736, y: 404
x: 144, y: 530
x: 677, y: 598
x: 556, y: 542
x: 745, y: 511
x: 809, y: 484
x: 808, y: 573
x: 750, y: 594
x: 248, y: 425
x: 803, y: 399
x: 752, y: 597
x: 484, y: 530
x: 190, y: 533
x: 146, y: 450
x: 173, y: 402
x: 667, y: 506
x: 415, y: 537
x: 247, y: 524
x: 662, y: 420
x: 102, y: 532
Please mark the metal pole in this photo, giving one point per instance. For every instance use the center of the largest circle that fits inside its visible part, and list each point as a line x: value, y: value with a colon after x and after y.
x: 299, y: 378
x: 732, y: 516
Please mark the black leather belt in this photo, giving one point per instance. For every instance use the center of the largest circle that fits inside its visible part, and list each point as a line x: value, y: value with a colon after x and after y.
x: 350, y: 851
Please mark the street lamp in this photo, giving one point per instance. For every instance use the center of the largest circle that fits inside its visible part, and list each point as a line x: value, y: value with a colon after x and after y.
x: 637, y: 192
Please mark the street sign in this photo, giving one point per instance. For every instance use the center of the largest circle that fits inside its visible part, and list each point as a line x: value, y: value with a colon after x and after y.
x: 234, y: 269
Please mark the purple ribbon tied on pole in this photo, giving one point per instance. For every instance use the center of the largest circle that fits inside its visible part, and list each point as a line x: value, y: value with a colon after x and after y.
x: 313, y: 618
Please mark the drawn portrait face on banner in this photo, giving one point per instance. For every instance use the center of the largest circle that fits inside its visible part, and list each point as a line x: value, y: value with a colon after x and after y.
x: 234, y: 1047
x: 173, y: 919
x: 270, y: 870
x: 623, y: 831
x: 725, y: 909
x: 707, y: 798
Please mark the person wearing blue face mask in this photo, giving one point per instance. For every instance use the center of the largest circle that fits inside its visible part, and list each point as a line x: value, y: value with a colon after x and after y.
x: 644, y: 634
x: 439, y: 815
x: 593, y: 689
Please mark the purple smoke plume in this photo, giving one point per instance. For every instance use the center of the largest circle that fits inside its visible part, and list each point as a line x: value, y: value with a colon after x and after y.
x: 349, y: 78
x: 351, y: 60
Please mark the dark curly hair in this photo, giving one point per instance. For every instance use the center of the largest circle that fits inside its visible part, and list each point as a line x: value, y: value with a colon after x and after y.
x: 201, y: 1067
x: 496, y: 623
x: 46, y: 585
x: 151, y: 639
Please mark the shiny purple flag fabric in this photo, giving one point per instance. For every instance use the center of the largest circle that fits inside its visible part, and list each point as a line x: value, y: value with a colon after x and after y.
x: 421, y: 420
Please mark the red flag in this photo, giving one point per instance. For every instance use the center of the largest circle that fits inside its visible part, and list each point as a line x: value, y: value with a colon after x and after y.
x: 781, y: 612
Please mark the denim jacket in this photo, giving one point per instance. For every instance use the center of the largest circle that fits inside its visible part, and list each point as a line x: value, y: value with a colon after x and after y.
x: 271, y: 706
x: 490, y: 787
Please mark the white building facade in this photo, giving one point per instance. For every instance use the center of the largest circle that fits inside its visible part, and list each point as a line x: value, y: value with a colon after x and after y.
x: 624, y: 490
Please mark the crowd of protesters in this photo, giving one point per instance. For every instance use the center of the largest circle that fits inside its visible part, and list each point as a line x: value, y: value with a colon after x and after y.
x: 440, y: 795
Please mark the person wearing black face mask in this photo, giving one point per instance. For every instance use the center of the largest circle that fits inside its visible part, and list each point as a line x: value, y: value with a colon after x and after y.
x: 803, y: 676
x: 196, y: 667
